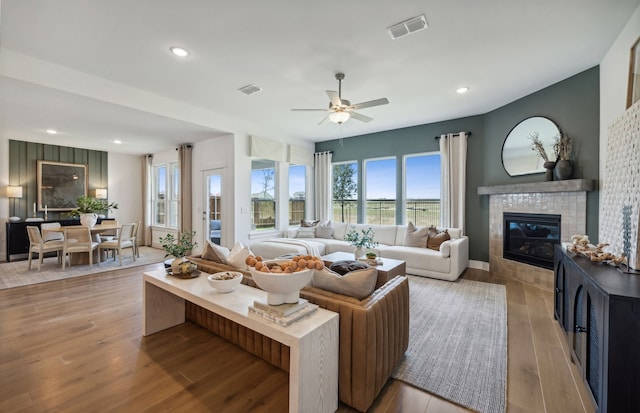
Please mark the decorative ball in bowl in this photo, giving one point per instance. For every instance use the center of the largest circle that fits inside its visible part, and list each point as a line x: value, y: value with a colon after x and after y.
x: 282, y: 279
x: 224, y: 282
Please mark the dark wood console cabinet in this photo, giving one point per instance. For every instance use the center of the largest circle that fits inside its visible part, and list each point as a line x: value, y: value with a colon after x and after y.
x: 598, y: 308
x: 18, y: 240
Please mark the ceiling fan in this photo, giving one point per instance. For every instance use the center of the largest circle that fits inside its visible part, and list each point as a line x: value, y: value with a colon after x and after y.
x: 340, y: 110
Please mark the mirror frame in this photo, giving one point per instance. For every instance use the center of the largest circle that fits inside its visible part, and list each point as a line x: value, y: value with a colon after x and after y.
x: 547, y: 140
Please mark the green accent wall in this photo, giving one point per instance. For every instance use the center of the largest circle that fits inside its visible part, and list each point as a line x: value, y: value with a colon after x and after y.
x: 23, y: 157
x: 573, y: 104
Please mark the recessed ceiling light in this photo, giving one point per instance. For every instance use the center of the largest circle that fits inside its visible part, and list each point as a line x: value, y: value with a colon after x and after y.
x: 462, y: 90
x: 51, y: 131
x: 117, y: 141
x: 179, y: 51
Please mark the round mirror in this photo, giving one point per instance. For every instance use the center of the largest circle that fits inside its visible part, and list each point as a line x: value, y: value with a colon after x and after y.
x: 517, y: 156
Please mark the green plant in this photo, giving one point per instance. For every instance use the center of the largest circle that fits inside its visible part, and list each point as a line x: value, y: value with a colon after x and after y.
x: 89, y: 205
x: 178, y: 247
x: 362, y: 239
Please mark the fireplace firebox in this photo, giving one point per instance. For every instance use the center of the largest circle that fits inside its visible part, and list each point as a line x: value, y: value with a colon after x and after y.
x: 530, y: 238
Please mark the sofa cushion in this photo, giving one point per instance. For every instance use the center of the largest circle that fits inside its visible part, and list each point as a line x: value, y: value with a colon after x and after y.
x: 306, y: 232
x: 436, y: 238
x: 324, y: 229
x: 422, y: 258
x: 238, y: 255
x: 345, y: 266
x: 215, y: 252
x: 358, y: 284
x: 415, y: 237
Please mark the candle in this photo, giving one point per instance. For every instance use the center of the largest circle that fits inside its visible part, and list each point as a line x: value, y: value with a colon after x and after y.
x: 34, y: 209
x: 45, y: 209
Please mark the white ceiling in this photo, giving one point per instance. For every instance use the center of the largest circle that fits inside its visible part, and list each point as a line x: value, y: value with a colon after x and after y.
x: 128, y: 86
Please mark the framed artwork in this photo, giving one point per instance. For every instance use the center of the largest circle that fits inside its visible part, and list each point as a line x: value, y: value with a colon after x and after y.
x: 59, y: 184
x: 633, y: 93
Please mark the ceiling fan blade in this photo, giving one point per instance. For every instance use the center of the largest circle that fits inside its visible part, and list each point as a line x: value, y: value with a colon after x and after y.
x: 360, y: 117
x: 370, y: 103
x: 323, y: 119
x: 334, y: 97
x: 309, y: 110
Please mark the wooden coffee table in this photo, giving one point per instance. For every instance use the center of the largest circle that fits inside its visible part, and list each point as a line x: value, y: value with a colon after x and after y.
x: 386, y: 271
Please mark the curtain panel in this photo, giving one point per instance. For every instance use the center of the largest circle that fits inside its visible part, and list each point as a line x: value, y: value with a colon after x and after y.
x: 185, y: 153
x: 323, y: 182
x: 147, y: 208
x: 453, y: 163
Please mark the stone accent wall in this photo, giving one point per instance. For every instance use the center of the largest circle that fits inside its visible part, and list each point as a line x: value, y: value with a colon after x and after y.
x: 571, y: 206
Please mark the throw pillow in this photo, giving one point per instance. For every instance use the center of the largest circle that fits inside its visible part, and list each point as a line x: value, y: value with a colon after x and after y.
x: 215, y: 253
x: 416, y: 237
x: 52, y: 236
x: 358, y: 284
x: 345, y: 266
x: 437, y: 238
x: 308, y: 223
x: 306, y: 232
x: 238, y: 255
x: 324, y: 229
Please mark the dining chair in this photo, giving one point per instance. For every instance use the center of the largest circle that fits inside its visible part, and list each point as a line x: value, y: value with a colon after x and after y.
x: 78, y: 239
x: 110, y: 234
x: 37, y: 244
x: 135, y: 238
x: 55, y: 235
x: 124, y: 240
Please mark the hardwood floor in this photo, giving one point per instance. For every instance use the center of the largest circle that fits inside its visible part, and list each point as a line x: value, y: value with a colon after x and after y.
x: 76, y: 345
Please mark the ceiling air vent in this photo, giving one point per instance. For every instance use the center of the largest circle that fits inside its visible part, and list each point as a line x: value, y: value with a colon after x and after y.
x: 250, y: 89
x: 407, y: 27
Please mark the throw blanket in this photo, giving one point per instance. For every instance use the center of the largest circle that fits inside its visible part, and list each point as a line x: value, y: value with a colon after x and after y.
x: 311, y: 248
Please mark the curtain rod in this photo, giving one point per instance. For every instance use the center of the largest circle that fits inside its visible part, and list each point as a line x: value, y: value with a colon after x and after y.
x: 466, y: 133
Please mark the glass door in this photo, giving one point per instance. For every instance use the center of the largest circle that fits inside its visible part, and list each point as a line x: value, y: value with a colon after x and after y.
x: 212, y: 210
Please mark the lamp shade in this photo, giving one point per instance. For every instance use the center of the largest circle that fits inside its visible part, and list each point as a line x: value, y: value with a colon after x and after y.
x: 14, y: 192
x: 101, y: 193
x: 339, y: 117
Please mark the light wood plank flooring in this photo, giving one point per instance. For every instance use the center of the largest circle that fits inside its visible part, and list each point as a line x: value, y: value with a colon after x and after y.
x: 76, y: 346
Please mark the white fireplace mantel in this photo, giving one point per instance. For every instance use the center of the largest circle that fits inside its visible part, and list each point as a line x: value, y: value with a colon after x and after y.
x: 568, y: 185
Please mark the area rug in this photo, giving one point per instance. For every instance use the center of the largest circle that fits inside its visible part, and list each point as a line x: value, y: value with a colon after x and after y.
x: 17, y: 273
x: 458, y: 342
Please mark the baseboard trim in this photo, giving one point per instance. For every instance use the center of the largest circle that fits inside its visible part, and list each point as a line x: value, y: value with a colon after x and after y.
x: 479, y: 265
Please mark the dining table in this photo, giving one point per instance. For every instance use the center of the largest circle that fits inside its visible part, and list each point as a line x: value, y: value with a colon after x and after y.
x: 83, y: 257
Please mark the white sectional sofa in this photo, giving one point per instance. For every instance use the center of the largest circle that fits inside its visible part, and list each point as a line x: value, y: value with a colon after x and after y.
x: 446, y: 264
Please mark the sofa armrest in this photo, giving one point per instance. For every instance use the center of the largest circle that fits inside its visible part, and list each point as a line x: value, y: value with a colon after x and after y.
x: 459, y: 254
x: 374, y: 335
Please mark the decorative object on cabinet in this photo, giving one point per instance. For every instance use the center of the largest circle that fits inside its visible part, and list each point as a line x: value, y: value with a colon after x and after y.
x: 88, y: 209
x: 60, y: 184
x: 14, y: 192
x: 597, y: 307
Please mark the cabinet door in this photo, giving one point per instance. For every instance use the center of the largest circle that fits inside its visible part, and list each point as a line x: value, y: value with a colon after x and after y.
x: 594, y: 341
x: 560, y: 287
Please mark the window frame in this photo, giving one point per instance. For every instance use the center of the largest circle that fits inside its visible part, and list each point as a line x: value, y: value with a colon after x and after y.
x: 357, y: 182
x: 275, y: 194
x: 364, y: 189
x: 171, y: 201
x: 404, y: 218
x: 291, y: 198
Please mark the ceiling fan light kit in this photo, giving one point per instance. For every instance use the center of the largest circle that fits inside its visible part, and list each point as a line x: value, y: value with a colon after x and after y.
x: 340, y: 110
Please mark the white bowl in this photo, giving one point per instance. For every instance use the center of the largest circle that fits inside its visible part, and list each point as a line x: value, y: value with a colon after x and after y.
x: 281, y: 287
x: 222, y: 285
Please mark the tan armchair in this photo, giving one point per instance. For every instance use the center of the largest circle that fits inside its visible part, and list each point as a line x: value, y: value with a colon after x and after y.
x: 374, y: 334
x: 124, y: 239
x: 37, y: 245
x: 78, y: 239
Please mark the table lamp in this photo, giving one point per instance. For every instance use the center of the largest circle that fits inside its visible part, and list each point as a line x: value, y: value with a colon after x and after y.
x: 14, y: 192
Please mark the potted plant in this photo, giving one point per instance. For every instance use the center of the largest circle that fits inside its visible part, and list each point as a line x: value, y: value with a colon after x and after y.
x: 178, y: 248
x: 89, y: 207
x: 361, y: 240
x: 562, y: 149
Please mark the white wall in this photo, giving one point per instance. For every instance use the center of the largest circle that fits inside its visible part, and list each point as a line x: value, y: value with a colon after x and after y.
x: 614, y: 76
x: 125, y: 187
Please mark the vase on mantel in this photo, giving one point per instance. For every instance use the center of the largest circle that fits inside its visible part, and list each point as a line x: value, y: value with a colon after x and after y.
x: 563, y: 169
x: 548, y: 175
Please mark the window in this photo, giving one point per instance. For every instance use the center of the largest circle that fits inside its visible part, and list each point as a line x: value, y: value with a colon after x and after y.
x: 380, y: 187
x: 422, y: 189
x: 345, y: 192
x: 263, y: 199
x: 297, y: 193
x: 166, y: 195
